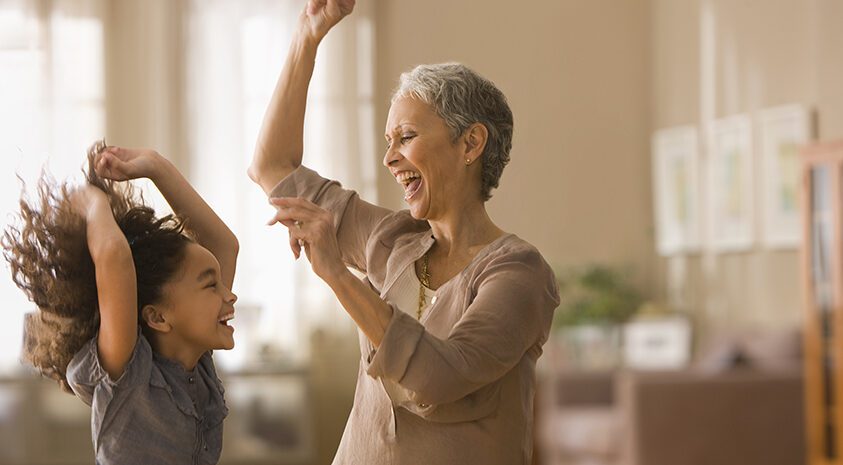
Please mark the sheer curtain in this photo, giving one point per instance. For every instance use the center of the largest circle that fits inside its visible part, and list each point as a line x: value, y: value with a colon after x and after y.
x: 52, y: 94
x: 235, y: 51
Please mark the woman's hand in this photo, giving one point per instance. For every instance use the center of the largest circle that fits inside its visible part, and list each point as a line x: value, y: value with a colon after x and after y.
x: 122, y: 164
x: 319, y: 16
x: 311, y: 228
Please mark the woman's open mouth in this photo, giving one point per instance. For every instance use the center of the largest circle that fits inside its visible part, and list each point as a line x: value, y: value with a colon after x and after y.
x: 411, y: 181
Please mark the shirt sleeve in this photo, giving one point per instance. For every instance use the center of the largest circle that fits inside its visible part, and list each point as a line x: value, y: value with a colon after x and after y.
x: 511, y: 313
x: 354, y: 218
x: 85, y: 373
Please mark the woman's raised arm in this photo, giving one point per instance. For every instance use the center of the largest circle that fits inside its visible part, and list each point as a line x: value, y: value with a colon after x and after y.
x: 280, y: 143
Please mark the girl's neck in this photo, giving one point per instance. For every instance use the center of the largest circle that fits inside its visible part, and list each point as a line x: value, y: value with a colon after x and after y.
x: 177, y: 351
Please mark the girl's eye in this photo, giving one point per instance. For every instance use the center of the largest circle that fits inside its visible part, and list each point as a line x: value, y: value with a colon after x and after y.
x: 211, y: 285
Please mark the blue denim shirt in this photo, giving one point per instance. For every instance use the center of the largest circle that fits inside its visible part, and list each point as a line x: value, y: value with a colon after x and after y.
x: 157, y: 412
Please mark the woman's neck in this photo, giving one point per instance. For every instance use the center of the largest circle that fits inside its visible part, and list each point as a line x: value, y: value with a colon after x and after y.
x: 464, y: 232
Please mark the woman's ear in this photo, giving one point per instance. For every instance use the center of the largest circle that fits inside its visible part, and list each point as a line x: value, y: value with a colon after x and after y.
x: 155, y: 319
x: 475, y: 142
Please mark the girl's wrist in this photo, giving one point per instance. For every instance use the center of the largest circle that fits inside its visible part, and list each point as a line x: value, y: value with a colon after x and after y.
x: 97, y: 204
x: 160, y: 167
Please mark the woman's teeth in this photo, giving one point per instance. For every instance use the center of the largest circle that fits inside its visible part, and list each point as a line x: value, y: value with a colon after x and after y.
x: 412, y: 182
x: 405, y: 177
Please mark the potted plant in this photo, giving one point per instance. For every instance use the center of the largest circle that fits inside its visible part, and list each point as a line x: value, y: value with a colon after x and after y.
x: 595, y: 301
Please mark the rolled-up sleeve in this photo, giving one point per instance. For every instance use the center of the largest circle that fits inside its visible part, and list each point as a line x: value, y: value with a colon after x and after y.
x: 354, y: 218
x: 85, y: 372
x: 511, y: 313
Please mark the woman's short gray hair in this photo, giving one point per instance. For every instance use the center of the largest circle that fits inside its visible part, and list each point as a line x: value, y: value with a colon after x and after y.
x: 462, y: 97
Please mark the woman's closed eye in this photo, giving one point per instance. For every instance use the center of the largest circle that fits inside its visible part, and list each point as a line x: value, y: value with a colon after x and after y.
x: 407, y: 138
x: 402, y: 140
x: 211, y: 285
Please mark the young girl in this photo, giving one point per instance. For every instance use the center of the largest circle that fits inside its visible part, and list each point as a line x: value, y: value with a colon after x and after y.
x: 130, y: 306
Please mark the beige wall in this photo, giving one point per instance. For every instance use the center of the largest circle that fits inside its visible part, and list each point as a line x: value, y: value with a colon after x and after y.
x: 714, y: 58
x: 588, y: 83
x: 576, y: 74
x: 145, y: 78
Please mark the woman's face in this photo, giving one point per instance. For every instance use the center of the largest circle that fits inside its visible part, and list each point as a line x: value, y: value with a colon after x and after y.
x: 198, y: 305
x: 422, y: 158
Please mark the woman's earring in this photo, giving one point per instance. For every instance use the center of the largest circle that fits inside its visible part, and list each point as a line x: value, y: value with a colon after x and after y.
x: 467, y: 161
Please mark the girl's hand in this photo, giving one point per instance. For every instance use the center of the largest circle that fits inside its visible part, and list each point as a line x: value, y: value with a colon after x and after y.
x: 311, y: 228
x: 122, y: 164
x: 319, y: 16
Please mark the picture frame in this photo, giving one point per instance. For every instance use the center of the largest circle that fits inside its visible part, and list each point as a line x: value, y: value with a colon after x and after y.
x: 782, y: 132
x: 676, y: 187
x: 729, y: 186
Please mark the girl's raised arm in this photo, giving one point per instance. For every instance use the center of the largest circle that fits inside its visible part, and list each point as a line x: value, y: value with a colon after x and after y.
x: 115, y: 276
x: 122, y: 164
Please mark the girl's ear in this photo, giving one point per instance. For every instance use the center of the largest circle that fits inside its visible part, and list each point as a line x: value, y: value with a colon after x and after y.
x: 155, y: 319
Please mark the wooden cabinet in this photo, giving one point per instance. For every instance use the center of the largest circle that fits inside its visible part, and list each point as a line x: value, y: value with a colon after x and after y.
x: 822, y: 259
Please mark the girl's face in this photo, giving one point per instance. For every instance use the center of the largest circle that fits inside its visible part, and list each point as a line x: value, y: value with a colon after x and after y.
x: 198, y: 305
x: 422, y: 157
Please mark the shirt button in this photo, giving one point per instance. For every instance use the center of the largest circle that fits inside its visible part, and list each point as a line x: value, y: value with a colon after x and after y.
x: 423, y: 406
x: 190, y: 380
x: 206, y: 447
x: 433, y: 300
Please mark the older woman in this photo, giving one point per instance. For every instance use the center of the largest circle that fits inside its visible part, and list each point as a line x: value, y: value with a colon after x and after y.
x: 453, y: 311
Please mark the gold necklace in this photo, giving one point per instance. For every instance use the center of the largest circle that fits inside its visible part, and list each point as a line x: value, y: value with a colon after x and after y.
x: 424, y: 281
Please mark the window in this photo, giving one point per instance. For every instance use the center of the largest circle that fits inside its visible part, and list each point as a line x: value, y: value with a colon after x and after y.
x: 51, y: 86
x: 235, y: 53
x: 52, y: 79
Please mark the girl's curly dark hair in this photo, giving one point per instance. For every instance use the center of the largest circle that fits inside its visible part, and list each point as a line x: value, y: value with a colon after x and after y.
x: 50, y: 261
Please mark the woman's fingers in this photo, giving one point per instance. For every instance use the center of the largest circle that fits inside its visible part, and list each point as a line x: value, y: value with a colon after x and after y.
x: 344, y: 7
x: 313, y: 6
x: 282, y: 217
x: 295, y: 246
x: 295, y: 203
x: 308, y: 224
x: 294, y: 213
x: 289, y: 209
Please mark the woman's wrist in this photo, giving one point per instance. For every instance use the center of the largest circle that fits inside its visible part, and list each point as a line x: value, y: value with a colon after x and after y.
x: 338, y: 277
x: 305, y: 44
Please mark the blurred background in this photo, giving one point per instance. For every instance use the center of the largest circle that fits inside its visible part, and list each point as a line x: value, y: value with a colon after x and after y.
x: 653, y: 139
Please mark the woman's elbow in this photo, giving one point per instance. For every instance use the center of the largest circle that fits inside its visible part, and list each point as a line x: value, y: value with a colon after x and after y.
x: 268, y: 175
x: 438, y: 395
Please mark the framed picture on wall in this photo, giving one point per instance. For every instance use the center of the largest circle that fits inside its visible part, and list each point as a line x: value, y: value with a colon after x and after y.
x: 729, y: 184
x: 675, y: 189
x: 782, y: 132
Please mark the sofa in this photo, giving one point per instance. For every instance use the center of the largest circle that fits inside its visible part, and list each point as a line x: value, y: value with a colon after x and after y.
x: 740, y: 402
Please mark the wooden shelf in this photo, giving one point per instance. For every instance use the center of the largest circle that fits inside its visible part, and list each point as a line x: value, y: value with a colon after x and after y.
x: 822, y: 269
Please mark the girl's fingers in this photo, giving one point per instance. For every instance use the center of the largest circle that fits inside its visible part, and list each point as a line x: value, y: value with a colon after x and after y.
x: 109, y: 166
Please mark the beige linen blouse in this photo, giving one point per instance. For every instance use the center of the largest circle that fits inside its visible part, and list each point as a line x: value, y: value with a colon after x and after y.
x: 468, y: 366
